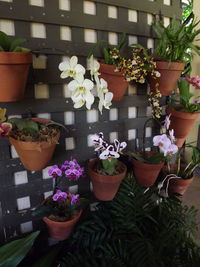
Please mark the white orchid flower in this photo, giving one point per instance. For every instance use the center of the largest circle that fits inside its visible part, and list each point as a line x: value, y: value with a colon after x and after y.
x: 93, y: 66
x: 71, y: 68
x: 109, y: 153
x: 108, y: 100
x: 81, y: 94
x: 119, y: 146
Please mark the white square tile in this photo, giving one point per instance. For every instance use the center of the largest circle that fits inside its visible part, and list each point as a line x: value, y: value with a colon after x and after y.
x: 147, y: 149
x: 167, y: 2
x: 90, y: 36
x: 7, y: 26
x: 39, y: 62
x: 166, y: 21
x: 44, y: 116
x: 113, y: 38
x: 69, y: 117
x: 113, y: 136
x: 14, y: 116
x: 64, y: 5
x: 92, y: 116
x: 14, y: 152
x: 89, y: 7
x: 45, y: 174
x: 20, y: 177
x: 26, y: 227
x: 38, y: 30
x: 149, y: 111
x: 10, y: 1
x: 47, y: 194
x: 148, y: 132
x: 132, y: 39
x: 131, y: 134
x: 132, y: 15
x: 65, y: 33
x: 89, y: 141
x: 149, y: 19
x: 73, y: 189
x: 150, y: 43
x: 91, y: 187
x: 69, y: 143
x: 23, y: 203
x: 112, y: 12
x: 113, y: 114
x: 41, y: 91
x: 132, y: 112
x: 36, y: 2
x: 132, y: 90
x: 66, y: 92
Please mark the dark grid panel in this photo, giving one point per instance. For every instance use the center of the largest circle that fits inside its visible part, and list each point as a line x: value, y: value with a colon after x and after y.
x: 131, y: 109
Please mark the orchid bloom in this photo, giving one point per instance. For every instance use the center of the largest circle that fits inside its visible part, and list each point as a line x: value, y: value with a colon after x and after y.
x: 71, y: 68
x: 195, y: 81
x: 5, y: 129
x: 119, y: 146
x: 167, y: 122
x: 110, y: 152
x: 81, y: 92
x: 55, y: 171
x: 171, y: 135
x: 162, y: 141
x: 75, y: 199
x: 59, y: 196
x: 172, y: 149
x: 93, y: 66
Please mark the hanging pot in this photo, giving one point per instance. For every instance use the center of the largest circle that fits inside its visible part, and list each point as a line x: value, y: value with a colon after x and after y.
x: 105, y: 186
x: 170, y: 73
x: 61, y: 230
x: 182, y: 123
x: 146, y: 174
x: 14, y: 68
x: 35, y: 156
x: 116, y: 82
x: 179, y: 186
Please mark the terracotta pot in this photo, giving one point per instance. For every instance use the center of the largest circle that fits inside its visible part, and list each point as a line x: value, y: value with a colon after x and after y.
x: 170, y: 73
x: 61, y: 230
x: 105, y: 186
x: 146, y: 174
x: 35, y: 156
x: 182, y: 124
x: 116, y: 82
x: 14, y: 68
x: 179, y: 186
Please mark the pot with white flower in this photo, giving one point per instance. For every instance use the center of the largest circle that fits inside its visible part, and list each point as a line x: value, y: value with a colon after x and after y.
x: 81, y: 89
x: 184, y: 111
x: 107, y: 172
x: 62, y: 210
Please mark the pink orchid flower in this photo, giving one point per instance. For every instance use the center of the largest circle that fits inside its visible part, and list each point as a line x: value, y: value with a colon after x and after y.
x: 167, y: 122
x: 195, y: 81
x: 162, y: 141
x: 5, y: 129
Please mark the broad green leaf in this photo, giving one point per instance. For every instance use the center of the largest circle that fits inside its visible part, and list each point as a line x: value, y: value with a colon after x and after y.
x: 94, y: 47
x: 13, y: 253
x: 16, y: 44
x: 28, y: 126
x: 5, y: 41
x: 121, y: 41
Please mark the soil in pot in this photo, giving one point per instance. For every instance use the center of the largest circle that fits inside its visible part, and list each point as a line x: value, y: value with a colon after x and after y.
x: 61, y: 230
x: 116, y: 82
x: 105, y: 187
x: 146, y: 174
x: 14, y: 68
x: 35, y: 155
x: 182, y: 123
x: 170, y: 73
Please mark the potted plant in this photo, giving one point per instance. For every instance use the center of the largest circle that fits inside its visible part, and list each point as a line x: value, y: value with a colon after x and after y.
x: 34, y: 139
x: 179, y: 174
x: 14, y: 67
x: 147, y: 165
x: 81, y: 88
x: 184, y: 109
x: 115, y: 79
x: 173, y: 51
x: 107, y: 172
x: 62, y: 210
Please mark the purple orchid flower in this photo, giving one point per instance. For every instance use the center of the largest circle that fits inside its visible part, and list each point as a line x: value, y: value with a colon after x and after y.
x: 167, y: 122
x: 55, y: 171
x: 5, y: 129
x: 72, y: 169
x: 195, y: 81
x: 196, y: 102
x: 75, y: 199
x: 59, y: 196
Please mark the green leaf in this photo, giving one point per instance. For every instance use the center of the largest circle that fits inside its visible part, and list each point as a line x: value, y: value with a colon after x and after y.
x: 121, y: 41
x: 16, y: 44
x: 13, y: 253
x: 28, y: 126
x: 48, y: 259
x: 5, y: 41
x: 94, y: 47
x: 106, y: 56
x: 42, y: 211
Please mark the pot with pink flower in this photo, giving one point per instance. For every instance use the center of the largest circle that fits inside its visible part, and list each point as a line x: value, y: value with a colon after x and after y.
x: 107, y: 172
x: 62, y: 210
x: 184, y: 111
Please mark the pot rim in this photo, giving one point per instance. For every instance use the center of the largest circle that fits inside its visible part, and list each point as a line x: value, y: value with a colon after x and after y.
x: 182, y: 114
x: 46, y: 219
x: 15, y: 58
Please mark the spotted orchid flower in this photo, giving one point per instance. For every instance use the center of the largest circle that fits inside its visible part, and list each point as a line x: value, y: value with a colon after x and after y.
x: 59, y: 196
x: 119, y: 146
x: 5, y: 129
x: 71, y: 68
x: 109, y: 152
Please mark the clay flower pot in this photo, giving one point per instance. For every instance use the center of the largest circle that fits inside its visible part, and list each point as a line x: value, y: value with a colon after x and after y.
x: 105, y: 186
x: 61, y: 230
x: 14, y: 68
x: 170, y: 73
x: 146, y: 174
x: 182, y: 124
x: 35, y: 156
x: 116, y: 82
x: 179, y: 186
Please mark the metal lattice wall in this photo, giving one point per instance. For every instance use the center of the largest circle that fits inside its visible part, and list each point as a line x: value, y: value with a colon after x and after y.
x: 55, y: 29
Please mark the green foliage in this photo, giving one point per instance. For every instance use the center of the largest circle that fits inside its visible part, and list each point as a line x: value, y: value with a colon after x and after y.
x: 187, y: 9
x: 27, y: 126
x: 109, y: 166
x: 176, y: 41
x: 48, y: 259
x: 149, y: 159
x: 8, y: 45
x: 13, y: 253
x: 138, y: 228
